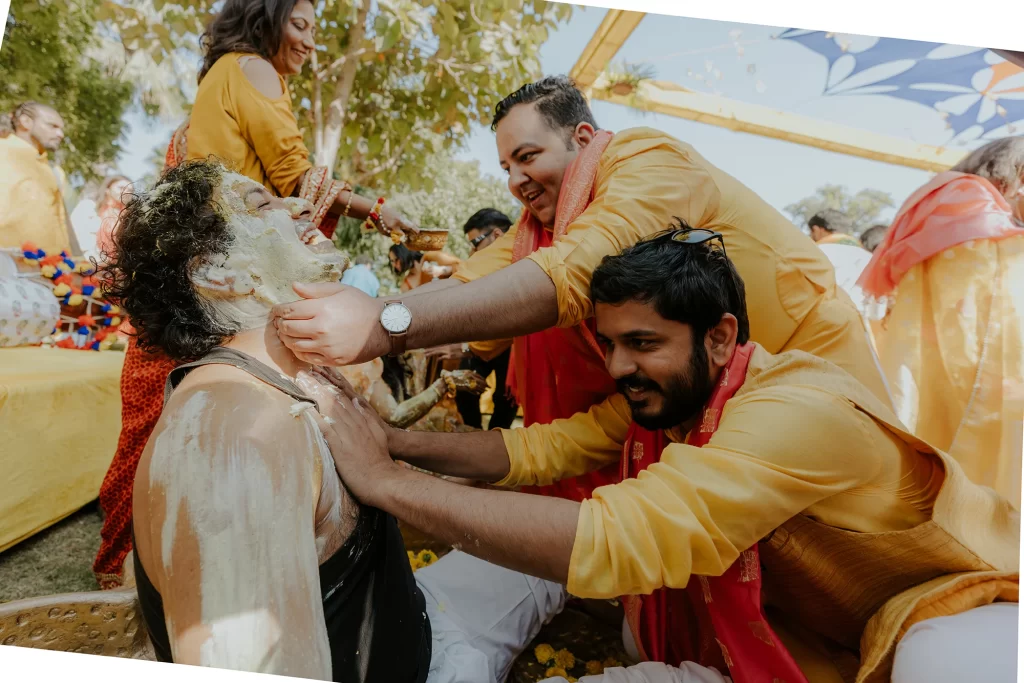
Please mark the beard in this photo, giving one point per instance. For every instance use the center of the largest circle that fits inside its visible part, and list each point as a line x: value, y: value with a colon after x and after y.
x: 682, y: 397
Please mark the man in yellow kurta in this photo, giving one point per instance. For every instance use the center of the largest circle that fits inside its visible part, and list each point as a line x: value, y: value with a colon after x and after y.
x: 831, y: 226
x: 31, y: 201
x: 780, y: 472
x: 643, y: 179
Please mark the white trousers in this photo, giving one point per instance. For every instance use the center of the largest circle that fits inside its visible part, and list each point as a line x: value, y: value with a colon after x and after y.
x: 977, y: 645
x: 483, y: 616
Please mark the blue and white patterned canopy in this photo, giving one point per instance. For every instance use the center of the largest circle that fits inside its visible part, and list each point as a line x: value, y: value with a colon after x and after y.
x: 978, y: 93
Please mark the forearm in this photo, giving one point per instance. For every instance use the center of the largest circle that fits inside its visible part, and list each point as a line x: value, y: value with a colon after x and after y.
x: 523, y: 532
x: 513, y: 301
x: 480, y: 456
x: 429, y: 288
x: 409, y: 411
x: 359, y: 207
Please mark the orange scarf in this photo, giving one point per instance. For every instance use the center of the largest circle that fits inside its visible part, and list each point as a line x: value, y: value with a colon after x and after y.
x: 716, y: 620
x: 953, y: 208
x: 559, y: 372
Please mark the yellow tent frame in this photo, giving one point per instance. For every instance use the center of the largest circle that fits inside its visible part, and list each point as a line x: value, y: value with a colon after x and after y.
x: 674, y: 100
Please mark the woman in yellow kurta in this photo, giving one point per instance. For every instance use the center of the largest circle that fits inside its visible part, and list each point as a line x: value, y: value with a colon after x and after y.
x: 243, y: 110
x: 952, y: 343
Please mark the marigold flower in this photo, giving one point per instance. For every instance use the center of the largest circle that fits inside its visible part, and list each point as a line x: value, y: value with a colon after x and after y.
x: 565, y: 659
x: 427, y: 557
x: 611, y: 662
x: 555, y: 671
x: 544, y: 653
x: 595, y: 668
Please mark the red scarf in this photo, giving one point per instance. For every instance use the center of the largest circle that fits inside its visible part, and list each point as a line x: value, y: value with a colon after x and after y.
x: 716, y: 620
x: 559, y: 372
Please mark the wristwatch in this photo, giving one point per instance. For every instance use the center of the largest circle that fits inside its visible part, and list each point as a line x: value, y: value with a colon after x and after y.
x: 396, y: 319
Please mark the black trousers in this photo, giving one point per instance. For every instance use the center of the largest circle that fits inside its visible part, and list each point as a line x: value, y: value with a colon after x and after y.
x: 504, y: 407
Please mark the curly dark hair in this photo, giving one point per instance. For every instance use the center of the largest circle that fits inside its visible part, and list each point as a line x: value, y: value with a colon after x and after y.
x: 163, y: 235
x: 252, y: 26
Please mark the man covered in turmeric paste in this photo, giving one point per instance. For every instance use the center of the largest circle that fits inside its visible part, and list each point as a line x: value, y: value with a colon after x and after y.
x: 771, y: 519
x: 249, y: 552
x: 587, y: 194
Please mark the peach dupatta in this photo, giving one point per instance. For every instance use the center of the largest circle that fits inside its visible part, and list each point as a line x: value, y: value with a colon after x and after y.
x: 951, y: 209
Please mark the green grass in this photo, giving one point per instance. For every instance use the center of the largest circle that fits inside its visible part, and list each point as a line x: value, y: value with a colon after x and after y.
x: 57, y: 560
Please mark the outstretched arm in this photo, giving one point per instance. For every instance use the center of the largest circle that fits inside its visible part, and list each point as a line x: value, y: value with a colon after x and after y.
x: 514, y: 301
x: 532, y: 534
x: 538, y: 454
x: 228, y: 505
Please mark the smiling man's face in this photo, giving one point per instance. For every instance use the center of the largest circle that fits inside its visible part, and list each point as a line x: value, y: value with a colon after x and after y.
x: 659, y: 367
x: 535, y: 157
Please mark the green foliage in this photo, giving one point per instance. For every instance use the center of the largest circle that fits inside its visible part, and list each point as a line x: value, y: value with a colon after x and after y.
x: 45, y: 58
x: 427, y: 70
x: 862, y: 209
x: 459, y: 191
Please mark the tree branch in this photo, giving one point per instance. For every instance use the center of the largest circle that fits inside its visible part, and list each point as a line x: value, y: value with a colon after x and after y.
x: 392, y: 161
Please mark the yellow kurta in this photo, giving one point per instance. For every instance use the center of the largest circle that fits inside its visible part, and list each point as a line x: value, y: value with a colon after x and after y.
x: 800, y: 437
x: 953, y: 350
x: 253, y: 134
x: 31, y: 205
x: 646, y: 178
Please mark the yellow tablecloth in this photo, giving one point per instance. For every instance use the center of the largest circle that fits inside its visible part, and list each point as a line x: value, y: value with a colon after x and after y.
x: 60, y: 416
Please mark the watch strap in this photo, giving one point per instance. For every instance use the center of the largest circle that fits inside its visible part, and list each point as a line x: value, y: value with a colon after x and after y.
x: 398, y: 343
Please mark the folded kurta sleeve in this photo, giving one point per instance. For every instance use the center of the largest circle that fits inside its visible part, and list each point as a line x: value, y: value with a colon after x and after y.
x: 543, y: 453
x: 777, y: 451
x: 644, y: 181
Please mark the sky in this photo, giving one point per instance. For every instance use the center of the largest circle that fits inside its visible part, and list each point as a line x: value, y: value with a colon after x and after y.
x: 702, y: 55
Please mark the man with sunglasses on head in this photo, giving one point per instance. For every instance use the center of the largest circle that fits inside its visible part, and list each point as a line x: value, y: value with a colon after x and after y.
x: 482, y: 229
x: 770, y: 519
x: 587, y: 194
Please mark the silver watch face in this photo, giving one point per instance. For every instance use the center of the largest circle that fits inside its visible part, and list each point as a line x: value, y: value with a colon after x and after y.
x: 396, y: 318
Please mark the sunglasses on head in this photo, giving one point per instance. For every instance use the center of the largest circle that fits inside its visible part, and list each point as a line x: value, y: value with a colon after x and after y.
x: 478, y: 240
x: 689, y: 236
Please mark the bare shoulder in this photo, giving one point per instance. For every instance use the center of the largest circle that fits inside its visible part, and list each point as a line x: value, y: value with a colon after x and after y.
x: 219, y: 414
x: 224, y: 443
x: 262, y: 75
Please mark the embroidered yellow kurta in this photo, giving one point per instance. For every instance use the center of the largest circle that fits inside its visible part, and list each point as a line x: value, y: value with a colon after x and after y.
x: 31, y: 205
x: 646, y: 178
x: 952, y: 348
x: 800, y: 437
x: 255, y: 135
